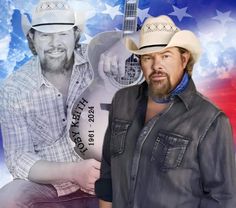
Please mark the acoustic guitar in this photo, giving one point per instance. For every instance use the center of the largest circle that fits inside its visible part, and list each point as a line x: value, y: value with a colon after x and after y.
x: 90, y: 112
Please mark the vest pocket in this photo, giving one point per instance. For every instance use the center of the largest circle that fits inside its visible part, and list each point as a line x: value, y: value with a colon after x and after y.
x: 168, y: 150
x: 118, y: 134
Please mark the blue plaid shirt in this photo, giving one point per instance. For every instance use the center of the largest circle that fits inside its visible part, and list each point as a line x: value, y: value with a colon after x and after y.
x: 34, y: 123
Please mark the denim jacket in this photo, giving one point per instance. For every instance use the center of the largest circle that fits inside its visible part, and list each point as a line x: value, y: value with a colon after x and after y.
x: 182, y: 158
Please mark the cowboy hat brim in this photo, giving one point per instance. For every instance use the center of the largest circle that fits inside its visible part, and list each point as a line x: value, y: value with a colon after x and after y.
x: 184, y: 39
x: 26, y: 25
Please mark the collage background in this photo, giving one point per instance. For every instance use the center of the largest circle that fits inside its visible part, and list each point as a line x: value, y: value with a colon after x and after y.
x: 213, y: 21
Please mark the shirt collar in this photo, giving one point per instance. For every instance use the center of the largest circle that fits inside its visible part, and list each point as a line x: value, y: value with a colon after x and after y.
x: 143, y: 90
x: 40, y: 78
x: 187, y: 95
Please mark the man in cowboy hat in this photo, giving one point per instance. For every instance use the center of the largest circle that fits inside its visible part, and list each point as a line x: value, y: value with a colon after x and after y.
x: 166, y: 145
x: 36, y: 104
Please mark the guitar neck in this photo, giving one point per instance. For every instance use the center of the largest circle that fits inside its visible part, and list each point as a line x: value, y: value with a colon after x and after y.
x: 130, y: 17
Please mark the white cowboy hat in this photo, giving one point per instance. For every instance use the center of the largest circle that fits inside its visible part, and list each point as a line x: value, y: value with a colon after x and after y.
x: 158, y: 33
x: 51, y: 16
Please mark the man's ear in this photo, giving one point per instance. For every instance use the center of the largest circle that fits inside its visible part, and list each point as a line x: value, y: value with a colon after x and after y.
x: 185, y: 58
x: 77, y: 32
x: 31, y: 35
x: 30, y: 38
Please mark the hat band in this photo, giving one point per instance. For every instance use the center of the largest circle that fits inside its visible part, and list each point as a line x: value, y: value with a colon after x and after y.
x: 157, y: 45
x: 53, y: 24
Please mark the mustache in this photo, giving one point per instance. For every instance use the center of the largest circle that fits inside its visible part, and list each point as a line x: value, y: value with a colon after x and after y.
x: 159, y: 73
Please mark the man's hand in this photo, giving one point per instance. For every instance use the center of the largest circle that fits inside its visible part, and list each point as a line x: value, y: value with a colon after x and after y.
x: 112, y: 61
x: 85, y: 173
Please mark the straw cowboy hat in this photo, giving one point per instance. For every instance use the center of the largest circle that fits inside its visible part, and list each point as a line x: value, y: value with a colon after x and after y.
x: 159, y: 33
x: 51, y: 16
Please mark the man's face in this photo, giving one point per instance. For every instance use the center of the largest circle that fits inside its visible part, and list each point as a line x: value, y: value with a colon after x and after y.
x: 55, y: 50
x: 163, y: 71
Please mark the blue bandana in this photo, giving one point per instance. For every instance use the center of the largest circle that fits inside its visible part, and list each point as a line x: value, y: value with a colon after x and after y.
x: 179, y: 88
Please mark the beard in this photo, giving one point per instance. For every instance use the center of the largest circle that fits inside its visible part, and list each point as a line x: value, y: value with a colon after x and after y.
x: 160, y: 88
x: 56, y: 64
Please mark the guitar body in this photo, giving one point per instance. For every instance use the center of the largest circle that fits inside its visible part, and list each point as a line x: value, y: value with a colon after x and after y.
x: 90, y: 113
x: 91, y: 110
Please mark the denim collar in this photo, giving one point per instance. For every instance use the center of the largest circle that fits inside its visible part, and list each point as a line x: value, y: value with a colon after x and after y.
x: 187, y: 95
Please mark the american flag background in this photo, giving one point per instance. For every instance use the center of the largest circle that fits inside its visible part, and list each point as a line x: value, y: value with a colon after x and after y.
x: 213, y: 21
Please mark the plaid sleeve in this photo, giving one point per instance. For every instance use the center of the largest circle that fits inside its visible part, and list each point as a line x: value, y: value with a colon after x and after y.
x: 18, y: 147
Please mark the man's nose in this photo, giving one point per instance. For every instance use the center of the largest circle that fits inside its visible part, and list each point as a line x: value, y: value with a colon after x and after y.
x: 157, y: 62
x: 55, y: 40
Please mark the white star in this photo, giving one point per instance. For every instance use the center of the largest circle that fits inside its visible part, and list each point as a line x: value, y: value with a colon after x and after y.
x: 86, y: 38
x: 180, y: 13
x: 223, y: 17
x: 143, y: 13
x: 112, y: 11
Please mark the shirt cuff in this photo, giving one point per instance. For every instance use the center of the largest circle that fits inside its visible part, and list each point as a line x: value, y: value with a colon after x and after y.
x: 103, y: 189
x: 24, y: 164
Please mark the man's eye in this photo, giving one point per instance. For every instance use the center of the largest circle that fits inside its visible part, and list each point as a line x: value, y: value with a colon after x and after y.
x: 166, y: 56
x: 147, y: 58
x: 63, y: 33
x: 44, y: 35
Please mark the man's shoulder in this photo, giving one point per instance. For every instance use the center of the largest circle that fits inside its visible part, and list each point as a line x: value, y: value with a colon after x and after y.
x: 125, y: 102
x: 205, y: 100
x: 22, y: 79
x: 205, y: 105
